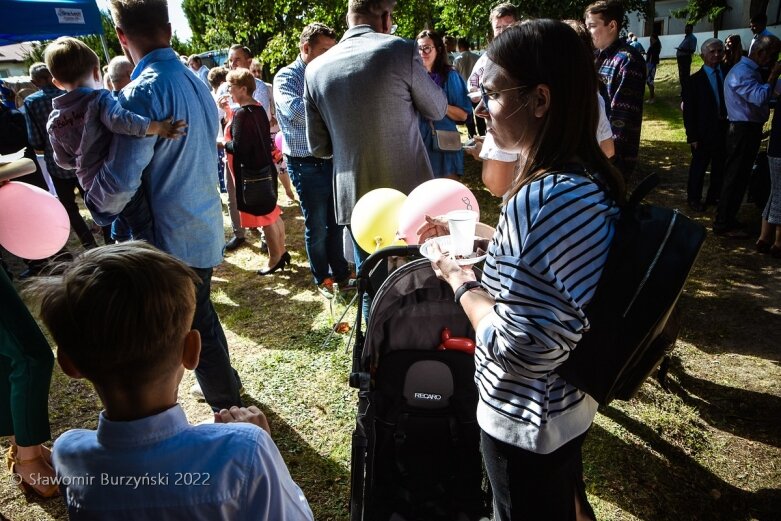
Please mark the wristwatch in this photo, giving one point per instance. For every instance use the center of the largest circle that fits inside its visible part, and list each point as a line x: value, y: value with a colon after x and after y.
x: 463, y: 288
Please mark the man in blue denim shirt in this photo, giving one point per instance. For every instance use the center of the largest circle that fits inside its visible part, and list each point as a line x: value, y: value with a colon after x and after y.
x: 312, y: 176
x: 178, y: 177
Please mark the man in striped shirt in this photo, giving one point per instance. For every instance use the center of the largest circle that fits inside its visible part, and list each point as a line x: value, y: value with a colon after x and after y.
x: 312, y: 176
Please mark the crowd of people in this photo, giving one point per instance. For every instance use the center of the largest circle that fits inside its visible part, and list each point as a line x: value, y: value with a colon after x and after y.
x: 554, y: 110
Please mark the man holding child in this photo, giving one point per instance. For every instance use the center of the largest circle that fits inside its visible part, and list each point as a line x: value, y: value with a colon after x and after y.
x: 175, y: 175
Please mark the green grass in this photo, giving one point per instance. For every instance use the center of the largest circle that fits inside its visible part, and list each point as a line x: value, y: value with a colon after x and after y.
x: 708, y: 450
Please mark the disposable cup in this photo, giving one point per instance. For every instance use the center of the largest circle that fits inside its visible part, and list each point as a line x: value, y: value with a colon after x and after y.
x: 462, y: 231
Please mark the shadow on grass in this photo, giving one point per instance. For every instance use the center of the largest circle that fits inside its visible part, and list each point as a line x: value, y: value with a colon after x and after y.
x: 664, y: 483
x: 748, y: 414
x: 283, y: 307
x: 325, y: 483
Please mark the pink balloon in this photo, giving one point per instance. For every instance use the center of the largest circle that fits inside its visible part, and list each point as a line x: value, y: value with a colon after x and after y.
x: 279, y: 141
x: 435, y: 197
x: 33, y: 223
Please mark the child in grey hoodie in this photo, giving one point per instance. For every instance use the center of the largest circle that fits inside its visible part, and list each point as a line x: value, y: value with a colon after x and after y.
x: 83, y: 121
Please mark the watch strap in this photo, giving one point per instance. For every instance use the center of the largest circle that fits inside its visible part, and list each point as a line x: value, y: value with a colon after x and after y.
x: 463, y: 288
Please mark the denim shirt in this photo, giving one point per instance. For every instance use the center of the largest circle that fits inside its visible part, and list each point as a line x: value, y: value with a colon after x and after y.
x: 747, y: 97
x: 161, y: 467
x: 81, y: 126
x: 179, y: 175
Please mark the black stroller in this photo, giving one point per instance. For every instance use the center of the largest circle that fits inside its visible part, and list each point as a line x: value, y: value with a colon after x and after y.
x: 415, y: 448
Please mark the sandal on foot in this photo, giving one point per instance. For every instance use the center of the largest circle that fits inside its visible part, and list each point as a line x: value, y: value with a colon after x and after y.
x: 46, y: 492
x: 763, y: 246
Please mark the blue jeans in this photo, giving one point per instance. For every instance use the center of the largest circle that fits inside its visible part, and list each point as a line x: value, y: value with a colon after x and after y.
x: 137, y: 218
x: 218, y: 380
x: 313, y: 179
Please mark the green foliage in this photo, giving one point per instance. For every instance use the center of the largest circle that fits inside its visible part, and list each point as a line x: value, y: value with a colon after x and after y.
x: 273, y: 27
x: 112, y: 42
x: 696, y: 10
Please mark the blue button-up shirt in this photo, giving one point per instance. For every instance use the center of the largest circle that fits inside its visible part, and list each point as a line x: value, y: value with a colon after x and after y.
x: 289, y: 99
x: 161, y: 467
x: 179, y: 178
x: 745, y: 94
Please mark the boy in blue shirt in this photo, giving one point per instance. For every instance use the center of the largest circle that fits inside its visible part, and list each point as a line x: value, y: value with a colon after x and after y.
x: 83, y: 121
x: 121, y: 316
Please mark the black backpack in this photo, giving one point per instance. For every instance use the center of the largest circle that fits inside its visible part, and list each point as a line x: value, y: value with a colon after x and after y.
x: 631, y: 328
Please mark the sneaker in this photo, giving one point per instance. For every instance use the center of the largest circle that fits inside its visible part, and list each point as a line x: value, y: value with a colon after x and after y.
x: 326, y: 288
x: 650, y: 101
x: 197, y: 393
x: 348, y: 283
x: 235, y: 243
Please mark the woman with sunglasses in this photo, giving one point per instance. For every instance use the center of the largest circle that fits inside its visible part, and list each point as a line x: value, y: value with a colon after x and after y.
x: 432, y: 51
x: 539, y: 99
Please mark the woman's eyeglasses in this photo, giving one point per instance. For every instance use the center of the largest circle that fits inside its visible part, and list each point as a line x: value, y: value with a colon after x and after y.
x: 425, y: 49
x: 485, y: 95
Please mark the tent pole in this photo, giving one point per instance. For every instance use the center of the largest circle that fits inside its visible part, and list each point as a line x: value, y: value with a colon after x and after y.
x: 105, y: 47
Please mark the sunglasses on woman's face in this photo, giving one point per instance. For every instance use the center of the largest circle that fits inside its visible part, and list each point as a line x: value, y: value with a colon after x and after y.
x: 425, y: 49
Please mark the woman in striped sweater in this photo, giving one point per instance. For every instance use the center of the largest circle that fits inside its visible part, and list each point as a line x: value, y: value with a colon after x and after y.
x: 551, y: 243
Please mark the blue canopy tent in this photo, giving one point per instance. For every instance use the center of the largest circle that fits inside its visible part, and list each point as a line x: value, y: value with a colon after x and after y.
x: 27, y: 20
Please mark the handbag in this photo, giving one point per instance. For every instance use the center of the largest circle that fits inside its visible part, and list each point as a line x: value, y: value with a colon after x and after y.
x: 445, y: 140
x: 259, y: 185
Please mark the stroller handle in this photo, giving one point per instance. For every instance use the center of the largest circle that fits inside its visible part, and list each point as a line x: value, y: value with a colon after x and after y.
x: 378, y: 256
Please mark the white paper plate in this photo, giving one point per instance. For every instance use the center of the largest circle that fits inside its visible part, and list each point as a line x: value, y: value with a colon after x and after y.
x: 444, y: 243
x: 9, y: 158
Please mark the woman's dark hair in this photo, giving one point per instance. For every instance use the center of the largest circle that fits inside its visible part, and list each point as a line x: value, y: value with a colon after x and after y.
x: 440, y: 65
x: 549, y: 52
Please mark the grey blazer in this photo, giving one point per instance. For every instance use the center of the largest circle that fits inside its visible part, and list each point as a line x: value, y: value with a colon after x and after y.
x: 362, y: 100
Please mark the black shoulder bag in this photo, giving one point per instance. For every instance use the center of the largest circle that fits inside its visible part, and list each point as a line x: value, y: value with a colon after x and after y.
x: 259, y: 185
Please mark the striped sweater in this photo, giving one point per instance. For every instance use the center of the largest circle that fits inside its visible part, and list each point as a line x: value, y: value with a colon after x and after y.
x: 543, y: 265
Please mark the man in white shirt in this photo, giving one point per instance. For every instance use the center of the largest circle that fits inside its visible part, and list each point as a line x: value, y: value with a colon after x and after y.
x: 198, y: 68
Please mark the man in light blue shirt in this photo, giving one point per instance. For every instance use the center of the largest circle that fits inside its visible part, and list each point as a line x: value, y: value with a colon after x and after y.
x: 177, y: 176
x: 683, y: 55
x: 312, y: 176
x: 747, y: 98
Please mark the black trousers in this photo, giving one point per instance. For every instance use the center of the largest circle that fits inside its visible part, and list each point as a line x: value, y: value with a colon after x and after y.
x: 714, y: 154
x: 66, y: 193
x: 218, y: 380
x: 684, y: 70
x: 743, y: 139
x: 530, y: 486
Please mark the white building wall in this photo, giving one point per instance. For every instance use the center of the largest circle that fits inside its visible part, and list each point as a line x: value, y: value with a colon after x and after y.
x: 735, y: 22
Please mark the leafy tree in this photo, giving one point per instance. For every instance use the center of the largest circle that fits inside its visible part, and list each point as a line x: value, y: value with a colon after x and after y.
x: 112, y: 42
x: 273, y: 27
x: 696, y: 10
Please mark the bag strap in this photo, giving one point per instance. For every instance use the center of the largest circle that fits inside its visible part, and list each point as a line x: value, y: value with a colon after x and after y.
x: 266, y: 151
x: 642, y: 189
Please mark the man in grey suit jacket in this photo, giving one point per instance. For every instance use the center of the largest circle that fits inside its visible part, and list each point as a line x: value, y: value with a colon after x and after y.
x: 362, y: 101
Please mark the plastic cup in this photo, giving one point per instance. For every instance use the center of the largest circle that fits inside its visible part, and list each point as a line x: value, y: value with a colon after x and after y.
x: 462, y: 231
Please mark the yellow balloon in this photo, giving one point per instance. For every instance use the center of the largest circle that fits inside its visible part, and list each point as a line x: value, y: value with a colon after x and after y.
x: 375, y: 218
